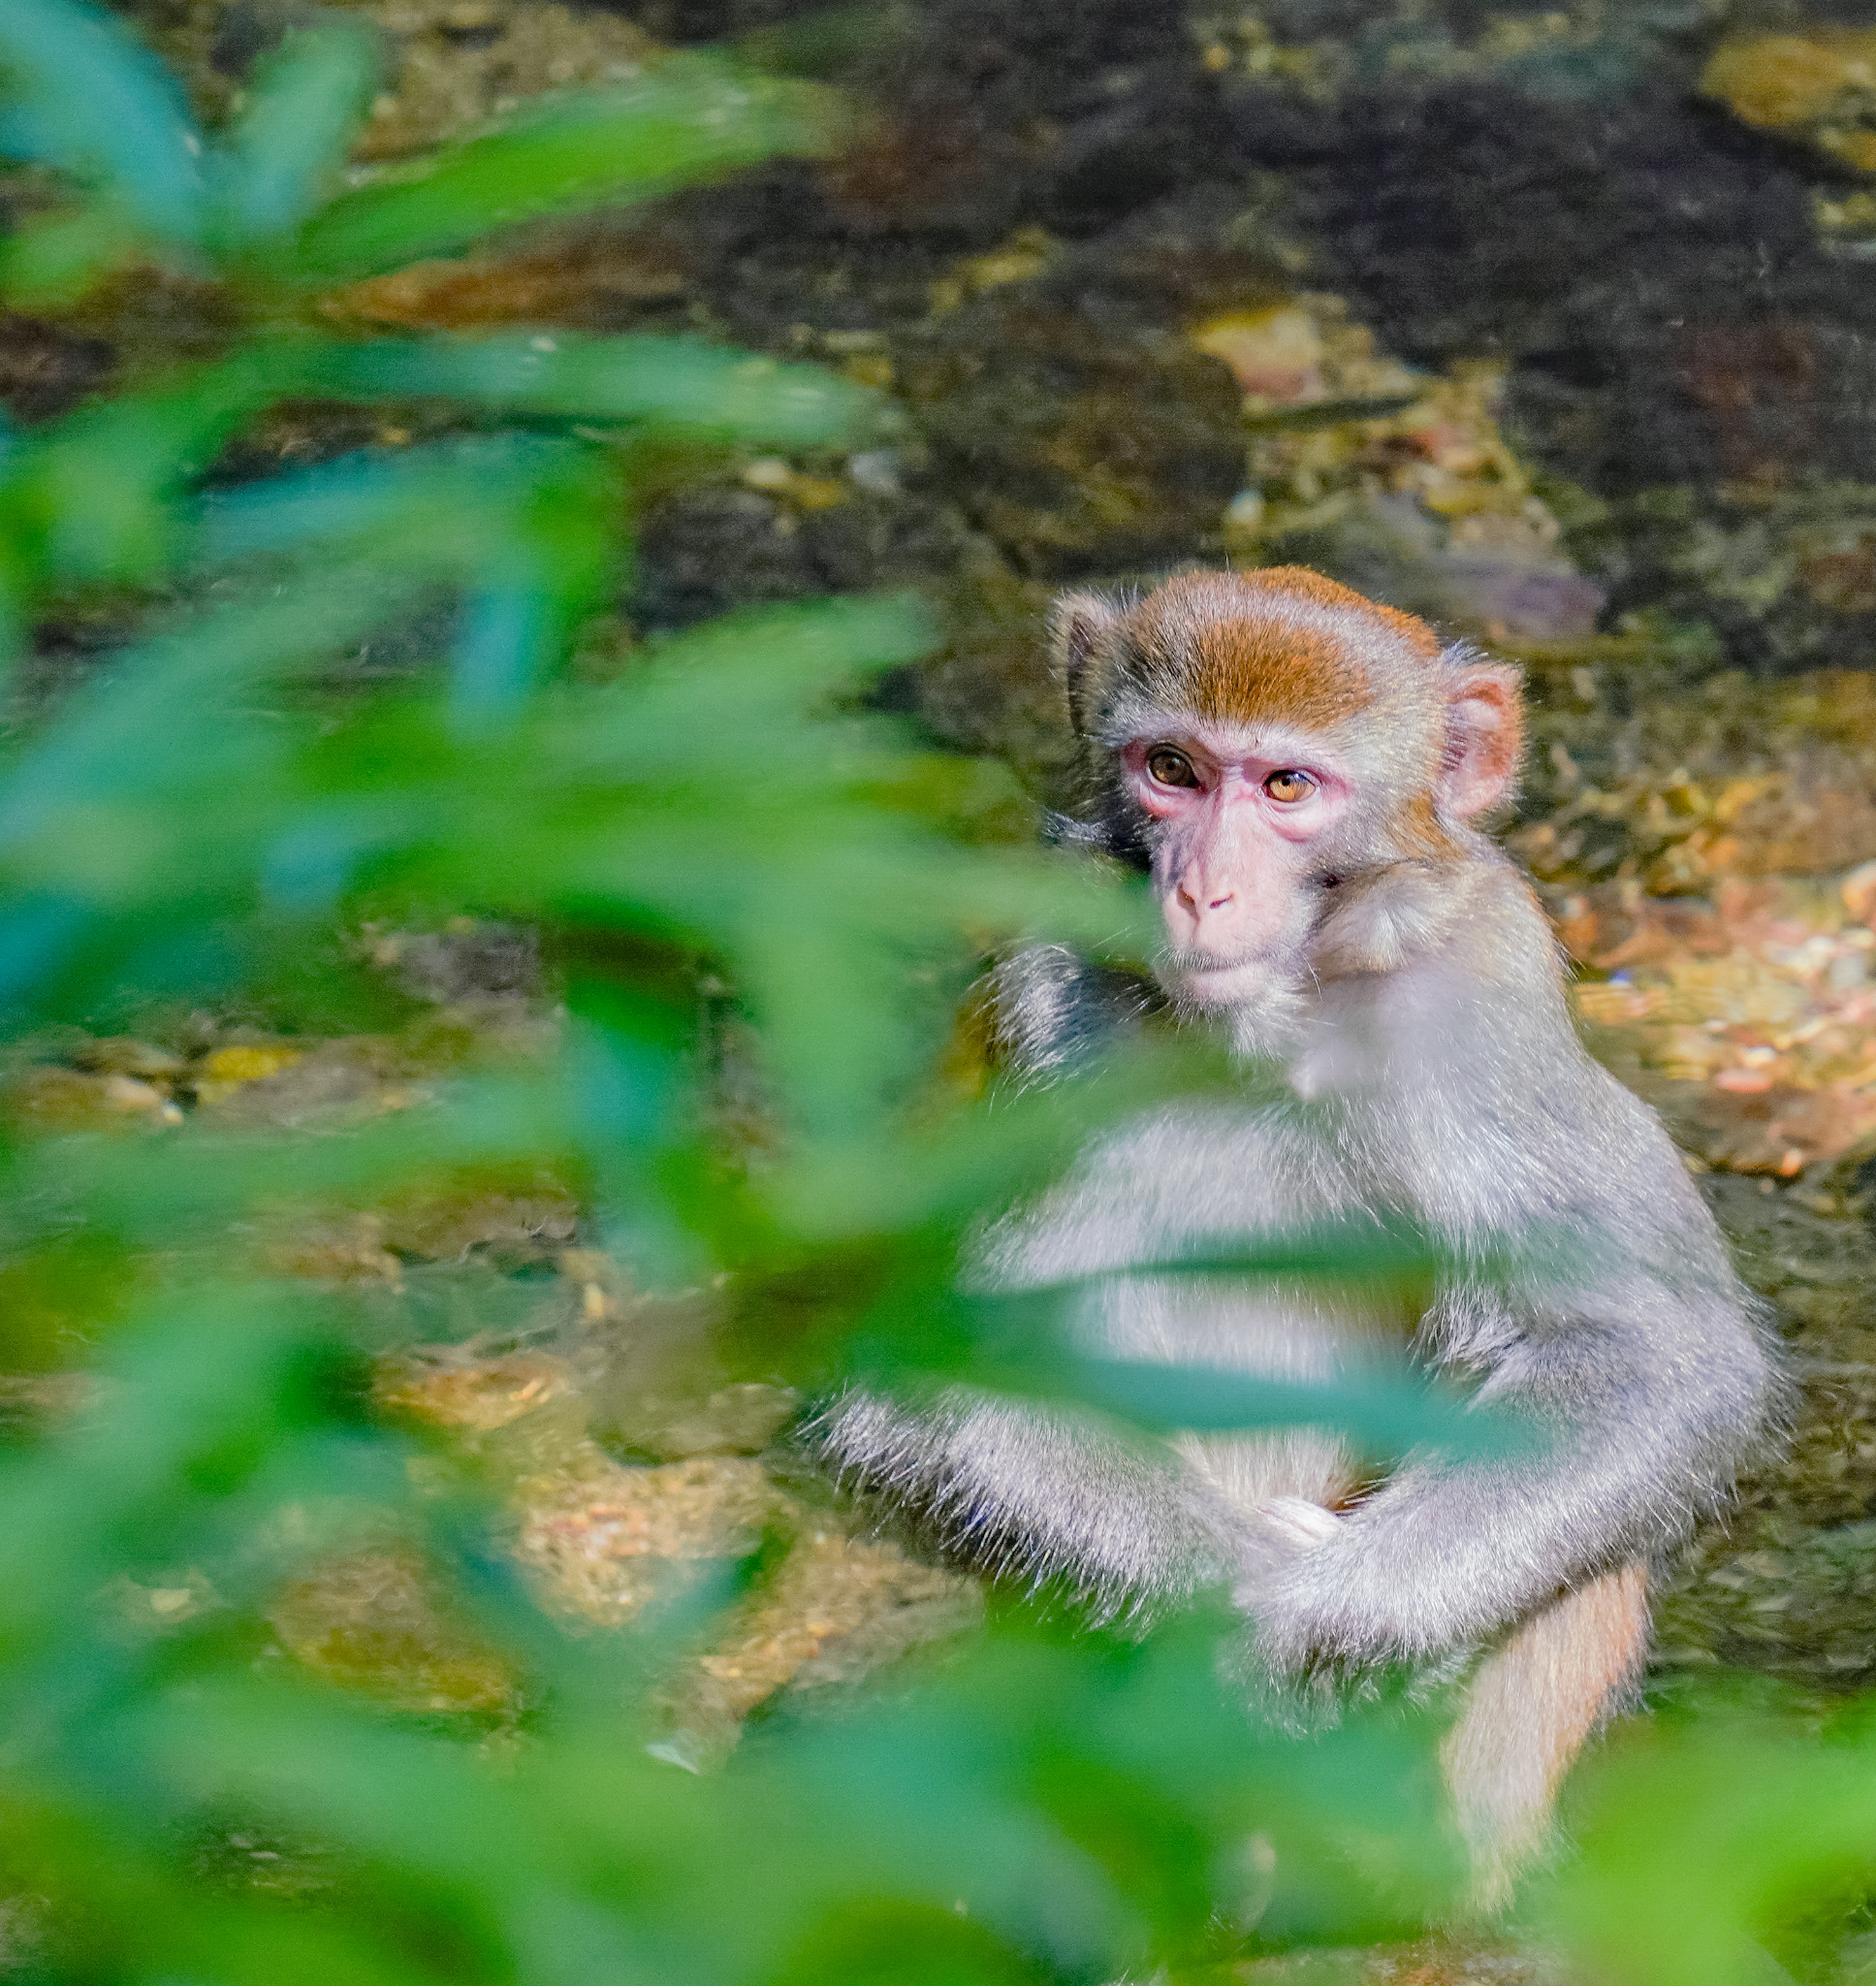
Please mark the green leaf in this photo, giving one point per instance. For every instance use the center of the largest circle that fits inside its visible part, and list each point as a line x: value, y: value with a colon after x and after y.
x: 747, y: 668
x: 90, y: 100
x: 448, y: 507
x: 54, y: 259
x: 682, y: 383
x: 93, y: 493
x: 115, y: 737
x: 1384, y: 1413
x: 687, y: 121
x: 308, y: 101
x: 511, y: 518
x: 1693, y: 1843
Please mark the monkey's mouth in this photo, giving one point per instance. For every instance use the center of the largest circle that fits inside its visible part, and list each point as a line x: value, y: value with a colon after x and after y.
x: 1202, y: 978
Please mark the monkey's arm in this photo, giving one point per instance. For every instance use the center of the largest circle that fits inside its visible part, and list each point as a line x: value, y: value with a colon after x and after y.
x: 1642, y: 1425
x: 1039, y: 1493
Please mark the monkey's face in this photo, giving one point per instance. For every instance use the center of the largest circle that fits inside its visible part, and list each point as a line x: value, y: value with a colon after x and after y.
x: 1276, y: 737
x: 1239, y: 818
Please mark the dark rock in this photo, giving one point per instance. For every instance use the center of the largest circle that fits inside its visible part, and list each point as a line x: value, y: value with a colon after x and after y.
x: 449, y: 967
x: 45, y: 369
x: 706, y: 551
x: 1654, y: 275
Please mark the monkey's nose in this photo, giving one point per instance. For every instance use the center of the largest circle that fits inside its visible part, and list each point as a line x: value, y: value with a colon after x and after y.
x: 1198, y: 901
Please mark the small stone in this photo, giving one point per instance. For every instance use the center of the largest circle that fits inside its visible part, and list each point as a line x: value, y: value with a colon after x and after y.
x: 375, y: 1619
x: 1858, y: 892
x: 450, y: 1387
x: 1819, y: 85
x: 734, y: 1419
x: 127, y: 1055
x: 127, y: 1093
x: 224, y: 1071
x: 605, y: 1539
x: 1244, y: 517
x: 1776, y: 82
x: 770, y: 473
x: 55, y: 1098
x: 875, y: 470
x: 1276, y: 356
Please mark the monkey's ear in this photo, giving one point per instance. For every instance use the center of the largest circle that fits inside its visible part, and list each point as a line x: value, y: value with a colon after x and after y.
x: 1076, y: 623
x: 1485, y: 738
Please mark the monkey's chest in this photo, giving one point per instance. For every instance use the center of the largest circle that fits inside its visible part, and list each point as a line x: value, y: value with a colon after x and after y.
x: 1319, y: 1295
x: 1299, y: 1331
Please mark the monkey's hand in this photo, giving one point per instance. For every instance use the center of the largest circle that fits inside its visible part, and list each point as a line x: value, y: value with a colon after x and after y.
x: 1636, y: 1422
x: 1283, y: 1531
x: 1300, y: 1521
x: 1284, y: 1534
x: 1328, y: 1597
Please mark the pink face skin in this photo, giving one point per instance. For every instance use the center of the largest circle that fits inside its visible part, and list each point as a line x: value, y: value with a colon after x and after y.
x: 1232, y: 863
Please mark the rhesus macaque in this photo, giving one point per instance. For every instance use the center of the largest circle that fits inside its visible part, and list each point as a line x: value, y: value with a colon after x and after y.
x: 1301, y: 771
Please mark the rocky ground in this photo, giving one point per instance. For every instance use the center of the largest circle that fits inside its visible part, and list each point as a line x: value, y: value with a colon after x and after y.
x: 1549, y: 323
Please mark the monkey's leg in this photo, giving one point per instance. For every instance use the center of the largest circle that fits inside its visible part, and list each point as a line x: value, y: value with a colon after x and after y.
x: 1041, y: 1493
x: 1532, y: 1704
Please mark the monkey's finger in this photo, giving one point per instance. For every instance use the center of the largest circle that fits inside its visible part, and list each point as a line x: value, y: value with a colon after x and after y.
x: 1299, y: 1521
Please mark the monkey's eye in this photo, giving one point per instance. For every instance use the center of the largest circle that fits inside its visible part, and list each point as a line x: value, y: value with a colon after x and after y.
x: 1171, y: 768
x: 1290, y: 786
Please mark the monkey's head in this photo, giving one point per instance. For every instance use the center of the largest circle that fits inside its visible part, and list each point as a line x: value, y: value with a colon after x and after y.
x: 1297, y: 765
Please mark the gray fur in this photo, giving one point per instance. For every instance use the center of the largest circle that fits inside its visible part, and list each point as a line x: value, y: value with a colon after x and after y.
x: 1051, y: 1011
x: 1418, y: 1063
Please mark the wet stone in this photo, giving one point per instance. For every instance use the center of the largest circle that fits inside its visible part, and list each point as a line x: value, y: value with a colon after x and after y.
x: 451, y: 1386
x: 451, y: 63
x: 734, y: 1420
x: 450, y: 1222
x: 838, y: 1609
x: 56, y: 1098
x: 127, y: 1055
x: 1088, y: 453
x: 46, y: 369
x: 605, y: 1540
x: 466, y: 961
x: 375, y: 1621
x: 710, y: 550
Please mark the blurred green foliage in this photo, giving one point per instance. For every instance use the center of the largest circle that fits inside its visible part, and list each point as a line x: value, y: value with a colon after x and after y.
x: 190, y: 819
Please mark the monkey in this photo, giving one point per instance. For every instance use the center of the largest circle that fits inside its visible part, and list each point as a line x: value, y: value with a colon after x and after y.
x: 1305, y: 777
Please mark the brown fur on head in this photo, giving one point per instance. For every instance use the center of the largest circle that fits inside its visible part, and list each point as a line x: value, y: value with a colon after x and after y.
x: 1287, y: 645
x: 1284, y: 641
